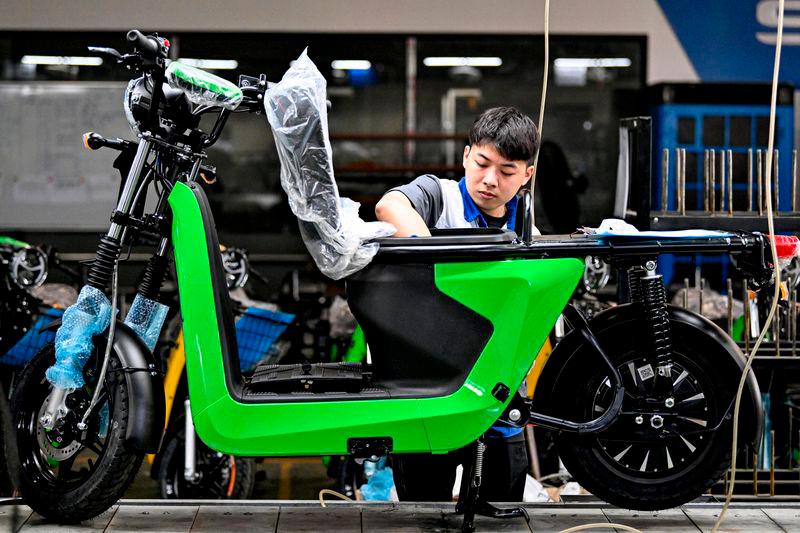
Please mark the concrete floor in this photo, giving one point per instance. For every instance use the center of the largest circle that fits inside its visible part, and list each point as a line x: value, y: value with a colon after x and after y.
x: 287, y: 516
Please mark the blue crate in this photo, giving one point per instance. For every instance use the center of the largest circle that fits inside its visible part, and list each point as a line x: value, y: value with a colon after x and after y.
x: 256, y: 331
x: 33, y: 341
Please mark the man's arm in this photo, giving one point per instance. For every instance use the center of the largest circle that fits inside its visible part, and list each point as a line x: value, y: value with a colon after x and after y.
x: 396, y: 209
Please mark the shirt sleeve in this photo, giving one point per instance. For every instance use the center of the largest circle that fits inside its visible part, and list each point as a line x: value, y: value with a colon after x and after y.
x: 425, y: 195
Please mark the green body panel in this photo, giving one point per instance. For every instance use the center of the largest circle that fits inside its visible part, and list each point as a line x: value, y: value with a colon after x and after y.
x: 8, y: 241
x: 534, y: 292
x: 202, y: 87
x: 523, y: 299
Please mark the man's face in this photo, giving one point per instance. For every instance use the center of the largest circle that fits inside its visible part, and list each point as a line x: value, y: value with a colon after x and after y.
x: 493, y: 180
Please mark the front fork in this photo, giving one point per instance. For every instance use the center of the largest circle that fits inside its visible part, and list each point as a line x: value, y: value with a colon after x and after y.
x: 103, y: 270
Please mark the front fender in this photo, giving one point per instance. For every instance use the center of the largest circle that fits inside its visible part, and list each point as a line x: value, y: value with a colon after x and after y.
x: 728, y: 359
x: 146, y: 403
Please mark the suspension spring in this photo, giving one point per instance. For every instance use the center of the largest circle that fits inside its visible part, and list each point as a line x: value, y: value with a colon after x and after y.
x: 635, y: 275
x: 153, y: 276
x: 103, y: 266
x: 654, y: 299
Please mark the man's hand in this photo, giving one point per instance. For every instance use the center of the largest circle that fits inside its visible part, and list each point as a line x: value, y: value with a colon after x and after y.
x: 396, y: 209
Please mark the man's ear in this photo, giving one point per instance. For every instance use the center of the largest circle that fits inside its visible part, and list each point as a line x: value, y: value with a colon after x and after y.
x: 528, y: 174
x: 466, y: 156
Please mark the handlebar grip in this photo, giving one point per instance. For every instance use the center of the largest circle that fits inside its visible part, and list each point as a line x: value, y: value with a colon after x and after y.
x: 146, y: 45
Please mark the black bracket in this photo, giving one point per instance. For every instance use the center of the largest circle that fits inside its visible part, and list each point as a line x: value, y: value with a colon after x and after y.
x: 578, y: 322
x: 369, y: 447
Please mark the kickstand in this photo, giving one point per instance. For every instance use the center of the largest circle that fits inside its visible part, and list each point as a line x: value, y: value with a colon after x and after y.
x: 469, y: 501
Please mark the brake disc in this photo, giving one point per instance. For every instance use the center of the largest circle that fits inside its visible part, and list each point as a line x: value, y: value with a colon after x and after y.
x: 48, y: 442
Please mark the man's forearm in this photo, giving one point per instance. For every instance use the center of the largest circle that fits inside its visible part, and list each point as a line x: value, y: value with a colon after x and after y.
x: 398, y: 211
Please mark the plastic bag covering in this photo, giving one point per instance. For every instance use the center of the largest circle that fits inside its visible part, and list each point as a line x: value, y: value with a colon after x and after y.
x: 202, y: 87
x: 614, y: 227
x: 146, y: 317
x: 330, y: 226
x: 380, y: 481
x: 87, y: 317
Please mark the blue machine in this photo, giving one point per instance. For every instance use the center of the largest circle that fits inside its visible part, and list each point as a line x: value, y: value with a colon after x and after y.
x: 717, y: 116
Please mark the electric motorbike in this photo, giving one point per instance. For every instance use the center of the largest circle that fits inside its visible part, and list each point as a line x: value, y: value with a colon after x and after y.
x: 641, y: 396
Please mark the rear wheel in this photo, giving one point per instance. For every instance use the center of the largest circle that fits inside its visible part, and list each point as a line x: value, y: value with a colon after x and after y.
x: 66, y: 474
x: 661, y: 451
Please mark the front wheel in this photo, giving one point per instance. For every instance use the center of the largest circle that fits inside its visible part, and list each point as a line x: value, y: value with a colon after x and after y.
x: 66, y: 474
x: 663, y: 450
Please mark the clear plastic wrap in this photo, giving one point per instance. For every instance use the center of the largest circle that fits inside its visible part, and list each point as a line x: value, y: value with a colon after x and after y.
x: 203, y: 88
x: 333, y: 232
x: 146, y: 317
x: 87, y: 317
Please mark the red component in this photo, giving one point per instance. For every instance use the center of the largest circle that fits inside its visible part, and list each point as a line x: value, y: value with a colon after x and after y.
x: 166, y: 43
x: 787, y: 246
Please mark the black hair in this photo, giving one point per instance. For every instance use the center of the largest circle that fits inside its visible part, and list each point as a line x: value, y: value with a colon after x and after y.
x: 512, y: 133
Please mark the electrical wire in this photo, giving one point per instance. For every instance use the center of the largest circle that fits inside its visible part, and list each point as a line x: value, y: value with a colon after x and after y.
x: 601, y: 525
x: 339, y: 495
x: 541, y: 104
x: 777, y: 294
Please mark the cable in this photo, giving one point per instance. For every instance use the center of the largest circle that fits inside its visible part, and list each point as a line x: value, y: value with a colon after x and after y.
x: 776, y: 296
x: 339, y: 495
x: 541, y: 105
x: 600, y: 525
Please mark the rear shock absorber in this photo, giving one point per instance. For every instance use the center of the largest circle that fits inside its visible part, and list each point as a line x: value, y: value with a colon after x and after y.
x: 635, y: 275
x: 102, y: 268
x: 654, y: 301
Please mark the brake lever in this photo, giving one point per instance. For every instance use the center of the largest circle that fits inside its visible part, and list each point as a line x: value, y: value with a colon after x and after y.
x: 103, y: 51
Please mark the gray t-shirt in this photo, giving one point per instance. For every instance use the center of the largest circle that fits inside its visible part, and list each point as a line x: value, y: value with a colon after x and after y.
x: 425, y: 195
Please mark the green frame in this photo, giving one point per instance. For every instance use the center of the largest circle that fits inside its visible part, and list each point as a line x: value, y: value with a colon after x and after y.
x: 536, y: 290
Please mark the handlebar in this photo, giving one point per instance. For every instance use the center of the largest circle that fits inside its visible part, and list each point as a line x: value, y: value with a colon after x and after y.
x: 148, y: 46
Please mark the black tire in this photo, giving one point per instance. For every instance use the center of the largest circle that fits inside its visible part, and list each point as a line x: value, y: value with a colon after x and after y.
x: 51, y: 487
x: 624, y: 466
x: 220, y: 476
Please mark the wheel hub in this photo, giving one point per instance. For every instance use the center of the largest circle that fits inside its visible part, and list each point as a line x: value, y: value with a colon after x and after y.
x: 55, y: 444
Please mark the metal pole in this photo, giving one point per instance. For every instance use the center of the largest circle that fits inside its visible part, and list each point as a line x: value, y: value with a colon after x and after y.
x: 700, y: 296
x: 746, y: 301
x: 777, y: 182
x: 760, y: 172
x: 772, y: 463
x: 755, y: 474
x: 730, y: 307
x: 776, y: 332
x: 793, y: 314
x: 686, y: 293
x: 706, y: 174
x: 683, y: 181
x: 678, y: 180
x: 730, y: 182
x: 712, y: 166
x: 665, y: 180
x: 794, y: 180
x: 722, y: 179
x: 749, y: 179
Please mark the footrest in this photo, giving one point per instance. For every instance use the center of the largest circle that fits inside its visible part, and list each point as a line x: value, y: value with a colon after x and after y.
x: 319, y: 377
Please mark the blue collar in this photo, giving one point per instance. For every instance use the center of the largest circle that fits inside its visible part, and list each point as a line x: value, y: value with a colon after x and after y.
x: 471, y: 211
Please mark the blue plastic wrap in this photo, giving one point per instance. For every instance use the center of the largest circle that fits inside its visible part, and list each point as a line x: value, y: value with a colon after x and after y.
x: 380, y: 481
x: 87, y: 317
x: 146, y: 317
